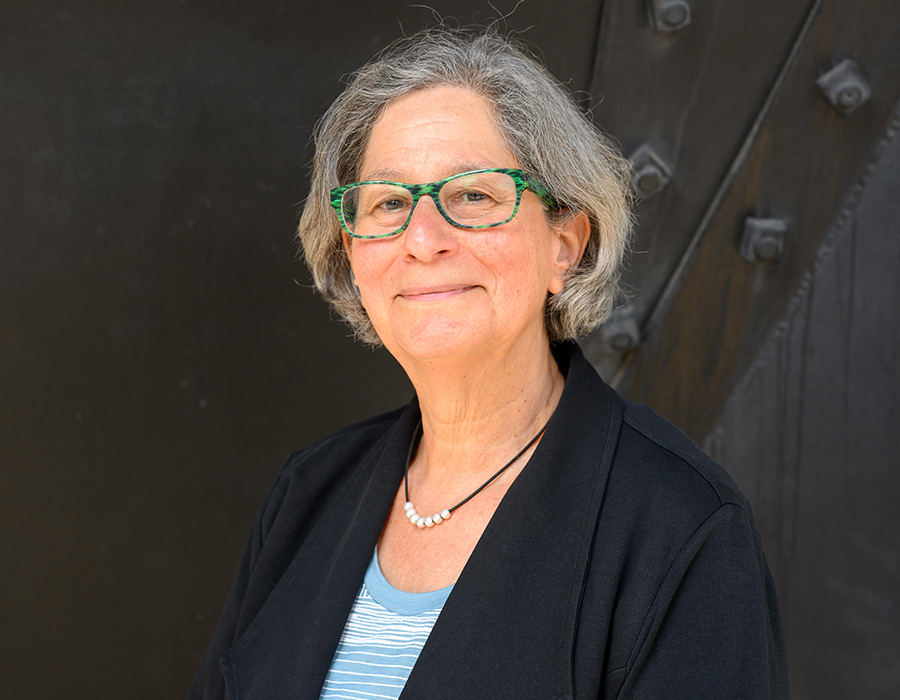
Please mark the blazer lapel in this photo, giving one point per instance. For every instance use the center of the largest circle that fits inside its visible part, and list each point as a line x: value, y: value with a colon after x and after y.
x: 287, y: 650
x: 508, y: 627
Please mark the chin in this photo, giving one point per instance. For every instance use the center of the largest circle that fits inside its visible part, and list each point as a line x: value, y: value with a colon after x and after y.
x: 435, y: 338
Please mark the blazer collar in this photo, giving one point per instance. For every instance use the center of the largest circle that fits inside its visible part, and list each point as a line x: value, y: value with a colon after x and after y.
x: 287, y: 649
x: 517, y: 598
x: 511, y: 619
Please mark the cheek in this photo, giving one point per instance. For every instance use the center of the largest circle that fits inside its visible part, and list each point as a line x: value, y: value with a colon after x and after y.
x: 522, y: 279
x: 371, y: 270
x: 364, y: 279
x: 368, y: 263
x: 527, y: 267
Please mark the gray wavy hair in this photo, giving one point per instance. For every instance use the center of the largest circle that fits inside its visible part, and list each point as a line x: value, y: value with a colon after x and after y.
x: 546, y: 131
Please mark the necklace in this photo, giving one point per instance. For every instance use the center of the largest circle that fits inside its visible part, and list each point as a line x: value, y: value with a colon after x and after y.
x: 445, y: 514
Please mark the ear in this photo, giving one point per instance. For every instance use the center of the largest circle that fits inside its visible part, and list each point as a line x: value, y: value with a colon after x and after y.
x: 572, y: 234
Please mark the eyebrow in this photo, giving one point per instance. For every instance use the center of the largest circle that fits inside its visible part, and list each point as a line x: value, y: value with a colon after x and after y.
x: 396, y: 175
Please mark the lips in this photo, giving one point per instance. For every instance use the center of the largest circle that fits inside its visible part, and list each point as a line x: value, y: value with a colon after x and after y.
x: 434, y: 293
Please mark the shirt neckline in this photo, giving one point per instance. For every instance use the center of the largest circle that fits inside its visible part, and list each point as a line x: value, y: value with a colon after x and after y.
x: 401, y: 602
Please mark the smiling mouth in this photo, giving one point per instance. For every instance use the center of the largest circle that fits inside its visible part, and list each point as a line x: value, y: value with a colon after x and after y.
x: 433, y: 294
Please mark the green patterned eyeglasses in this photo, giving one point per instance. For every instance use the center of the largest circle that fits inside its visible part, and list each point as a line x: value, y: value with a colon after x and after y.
x: 473, y: 200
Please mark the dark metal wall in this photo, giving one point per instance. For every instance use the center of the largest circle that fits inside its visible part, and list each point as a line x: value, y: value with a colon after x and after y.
x: 780, y: 125
x: 811, y: 436
x: 161, y: 351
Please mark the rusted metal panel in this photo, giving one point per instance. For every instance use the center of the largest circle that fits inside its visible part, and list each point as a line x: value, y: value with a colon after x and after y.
x: 811, y: 435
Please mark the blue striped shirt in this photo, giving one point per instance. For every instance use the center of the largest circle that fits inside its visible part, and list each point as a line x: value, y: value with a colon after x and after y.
x: 382, y: 639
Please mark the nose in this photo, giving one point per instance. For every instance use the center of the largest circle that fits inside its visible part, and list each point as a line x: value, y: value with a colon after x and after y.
x: 428, y: 233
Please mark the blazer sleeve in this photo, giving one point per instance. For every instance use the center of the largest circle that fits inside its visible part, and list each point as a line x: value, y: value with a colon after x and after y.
x: 241, y: 604
x: 714, y: 628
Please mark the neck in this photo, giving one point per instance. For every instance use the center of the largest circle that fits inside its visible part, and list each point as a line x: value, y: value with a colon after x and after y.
x: 476, y: 414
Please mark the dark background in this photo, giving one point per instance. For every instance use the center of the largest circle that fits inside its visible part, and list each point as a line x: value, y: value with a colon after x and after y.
x: 161, y: 350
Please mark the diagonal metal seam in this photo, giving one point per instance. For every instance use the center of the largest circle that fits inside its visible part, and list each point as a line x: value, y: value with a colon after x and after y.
x: 665, y: 299
x: 837, y: 231
x: 595, y: 55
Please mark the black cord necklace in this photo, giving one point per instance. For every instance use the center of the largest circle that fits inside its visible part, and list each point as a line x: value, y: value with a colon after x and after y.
x: 433, y: 520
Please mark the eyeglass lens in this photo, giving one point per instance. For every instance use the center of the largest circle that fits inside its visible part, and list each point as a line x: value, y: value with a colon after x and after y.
x: 470, y: 200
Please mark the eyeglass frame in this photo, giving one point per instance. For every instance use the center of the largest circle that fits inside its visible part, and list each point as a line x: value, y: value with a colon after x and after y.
x: 522, y: 180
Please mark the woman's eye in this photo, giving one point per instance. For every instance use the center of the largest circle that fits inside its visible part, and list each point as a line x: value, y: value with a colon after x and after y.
x: 391, y: 204
x: 474, y: 197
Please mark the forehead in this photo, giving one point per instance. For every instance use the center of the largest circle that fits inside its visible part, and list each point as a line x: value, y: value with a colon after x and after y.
x: 432, y: 133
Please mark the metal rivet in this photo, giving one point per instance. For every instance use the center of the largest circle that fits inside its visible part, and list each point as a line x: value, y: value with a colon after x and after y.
x: 850, y: 97
x: 622, y: 342
x: 845, y: 87
x: 647, y: 180
x: 620, y: 333
x: 763, y: 239
x: 650, y: 175
x: 669, y: 15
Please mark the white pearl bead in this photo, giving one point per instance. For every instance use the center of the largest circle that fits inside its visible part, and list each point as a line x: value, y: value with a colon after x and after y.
x: 419, y: 521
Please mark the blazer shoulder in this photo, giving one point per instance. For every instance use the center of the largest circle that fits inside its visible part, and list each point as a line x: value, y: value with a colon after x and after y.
x: 359, y: 436
x: 675, y: 460
x: 315, y: 473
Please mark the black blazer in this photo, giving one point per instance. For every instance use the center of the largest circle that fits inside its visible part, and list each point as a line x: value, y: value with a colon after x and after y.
x: 622, y: 563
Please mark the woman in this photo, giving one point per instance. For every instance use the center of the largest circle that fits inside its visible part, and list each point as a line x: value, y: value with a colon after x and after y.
x: 545, y: 538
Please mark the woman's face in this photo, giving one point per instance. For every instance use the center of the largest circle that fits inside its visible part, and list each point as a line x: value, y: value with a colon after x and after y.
x: 439, y: 291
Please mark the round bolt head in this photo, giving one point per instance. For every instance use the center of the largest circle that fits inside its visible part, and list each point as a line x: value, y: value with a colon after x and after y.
x: 622, y: 342
x: 845, y: 87
x: 763, y: 240
x: 675, y: 14
x: 647, y: 181
x: 650, y: 175
x: 670, y: 15
x: 767, y: 250
x: 620, y: 333
x: 849, y: 96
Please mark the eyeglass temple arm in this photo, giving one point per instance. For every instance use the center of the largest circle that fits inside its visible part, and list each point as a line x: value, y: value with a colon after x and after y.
x: 542, y: 192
